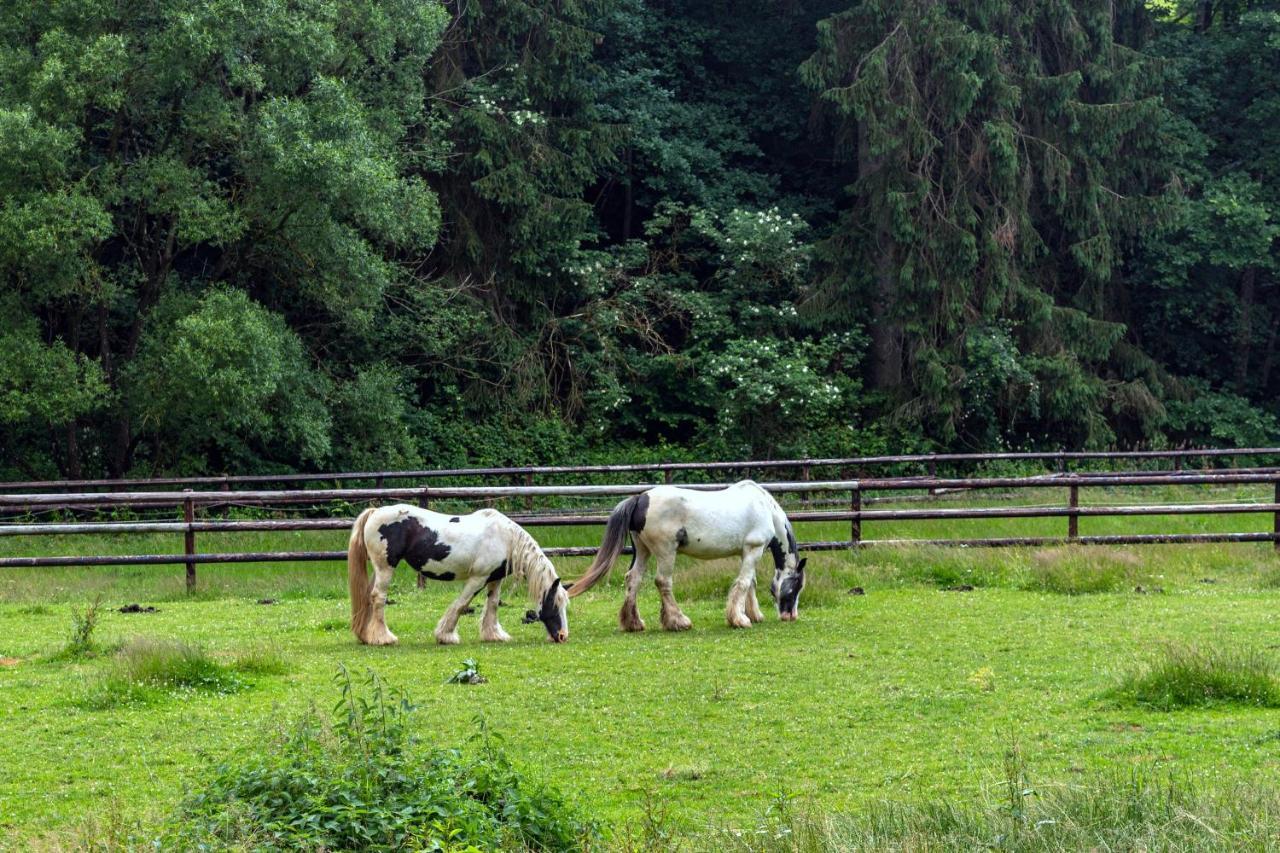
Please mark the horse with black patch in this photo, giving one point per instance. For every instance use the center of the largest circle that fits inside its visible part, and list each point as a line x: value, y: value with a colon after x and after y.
x: 742, y: 520
x: 480, y: 549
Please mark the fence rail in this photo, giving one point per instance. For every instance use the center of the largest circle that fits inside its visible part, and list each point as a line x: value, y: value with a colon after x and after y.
x: 929, y: 461
x: 191, y: 502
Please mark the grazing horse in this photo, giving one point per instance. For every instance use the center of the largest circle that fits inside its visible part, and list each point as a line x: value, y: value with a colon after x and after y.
x: 741, y: 520
x: 480, y: 549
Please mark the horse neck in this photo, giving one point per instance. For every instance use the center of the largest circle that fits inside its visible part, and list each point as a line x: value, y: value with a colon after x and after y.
x: 527, y: 561
x: 780, y: 522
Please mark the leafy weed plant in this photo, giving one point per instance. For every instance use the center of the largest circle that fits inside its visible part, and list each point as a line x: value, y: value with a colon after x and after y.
x: 83, y: 623
x: 361, y: 781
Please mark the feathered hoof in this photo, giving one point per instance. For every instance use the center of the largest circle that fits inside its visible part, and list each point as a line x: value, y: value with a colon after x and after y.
x: 386, y: 638
x: 496, y: 637
x: 738, y: 620
x: 629, y: 619
x: 676, y: 622
x: 448, y: 639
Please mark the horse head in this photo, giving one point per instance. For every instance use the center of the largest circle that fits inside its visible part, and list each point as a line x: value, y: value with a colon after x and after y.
x: 788, y: 580
x: 553, y: 612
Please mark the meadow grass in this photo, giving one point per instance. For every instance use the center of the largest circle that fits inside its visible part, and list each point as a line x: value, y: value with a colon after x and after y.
x: 1184, y: 676
x: 884, y: 706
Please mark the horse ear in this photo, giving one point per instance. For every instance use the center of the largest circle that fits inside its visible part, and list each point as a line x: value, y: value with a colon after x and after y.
x: 800, y: 565
x: 555, y: 583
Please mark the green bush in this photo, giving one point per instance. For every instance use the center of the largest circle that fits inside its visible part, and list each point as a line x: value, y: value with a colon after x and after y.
x: 362, y: 782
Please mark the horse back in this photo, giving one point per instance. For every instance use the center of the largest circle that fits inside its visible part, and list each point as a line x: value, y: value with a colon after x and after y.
x: 709, y: 523
x: 440, y: 545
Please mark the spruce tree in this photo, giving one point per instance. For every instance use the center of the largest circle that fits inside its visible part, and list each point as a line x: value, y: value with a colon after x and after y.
x: 1004, y: 153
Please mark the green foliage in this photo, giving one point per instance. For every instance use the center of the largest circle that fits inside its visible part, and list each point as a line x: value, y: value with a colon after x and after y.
x: 44, y: 384
x: 1190, y: 677
x: 364, y: 783
x: 993, y: 188
x: 358, y: 234
x: 1207, y: 419
x: 233, y: 381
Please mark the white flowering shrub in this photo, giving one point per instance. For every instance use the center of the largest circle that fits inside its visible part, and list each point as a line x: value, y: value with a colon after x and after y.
x: 771, y: 394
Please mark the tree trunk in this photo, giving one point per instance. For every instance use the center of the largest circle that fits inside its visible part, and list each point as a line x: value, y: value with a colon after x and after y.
x: 627, y: 200
x: 1244, y: 328
x: 1264, y: 372
x: 886, y: 333
x: 1204, y: 15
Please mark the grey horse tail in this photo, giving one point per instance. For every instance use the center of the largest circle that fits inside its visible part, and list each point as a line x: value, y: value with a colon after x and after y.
x: 615, y: 536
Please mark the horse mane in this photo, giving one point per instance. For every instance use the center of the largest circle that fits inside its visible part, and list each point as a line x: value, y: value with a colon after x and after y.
x: 528, y: 563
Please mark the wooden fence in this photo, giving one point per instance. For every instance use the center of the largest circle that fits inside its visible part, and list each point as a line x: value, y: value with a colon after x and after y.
x: 851, y: 493
x: 802, y: 469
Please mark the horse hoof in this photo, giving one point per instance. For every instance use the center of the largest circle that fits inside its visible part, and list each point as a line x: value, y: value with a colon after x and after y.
x: 740, y: 622
x: 448, y: 640
x: 633, y: 627
x: 681, y: 623
x: 504, y: 637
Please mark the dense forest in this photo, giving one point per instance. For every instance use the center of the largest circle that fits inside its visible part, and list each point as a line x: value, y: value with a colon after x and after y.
x: 239, y: 235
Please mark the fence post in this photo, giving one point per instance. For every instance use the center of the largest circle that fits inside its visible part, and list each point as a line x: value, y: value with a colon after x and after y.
x: 1073, y: 519
x: 189, y: 539
x: 423, y: 500
x: 805, y: 497
x: 1275, y: 524
x: 855, y: 523
x: 528, y: 499
x: 933, y: 472
x: 667, y: 475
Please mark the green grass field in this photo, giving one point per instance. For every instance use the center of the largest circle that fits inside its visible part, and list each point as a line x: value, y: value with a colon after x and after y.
x: 907, y: 694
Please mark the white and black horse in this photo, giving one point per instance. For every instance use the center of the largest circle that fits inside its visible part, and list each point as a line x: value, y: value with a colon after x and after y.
x: 741, y: 520
x: 480, y: 549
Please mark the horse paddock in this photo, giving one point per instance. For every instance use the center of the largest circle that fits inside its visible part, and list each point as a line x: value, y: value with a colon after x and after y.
x: 910, y: 677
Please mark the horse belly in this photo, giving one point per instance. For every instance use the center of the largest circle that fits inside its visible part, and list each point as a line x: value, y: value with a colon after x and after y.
x: 707, y: 542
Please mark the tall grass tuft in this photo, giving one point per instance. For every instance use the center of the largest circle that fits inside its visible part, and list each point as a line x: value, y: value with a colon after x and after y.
x: 1081, y: 571
x: 1187, y: 677
x: 1108, y: 812
x: 146, y: 670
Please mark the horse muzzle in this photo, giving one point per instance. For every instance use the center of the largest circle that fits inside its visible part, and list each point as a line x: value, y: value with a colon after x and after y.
x: 789, y: 615
x: 561, y: 636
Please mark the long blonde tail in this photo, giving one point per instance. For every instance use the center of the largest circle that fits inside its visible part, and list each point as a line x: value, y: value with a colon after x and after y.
x: 358, y: 575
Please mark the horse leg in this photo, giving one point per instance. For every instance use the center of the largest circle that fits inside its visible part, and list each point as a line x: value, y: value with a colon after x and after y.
x: 629, y: 616
x: 490, y: 630
x: 447, y: 628
x: 376, y: 632
x: 735, y: 608
x: 672, y: 618
x: 753, y: 604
